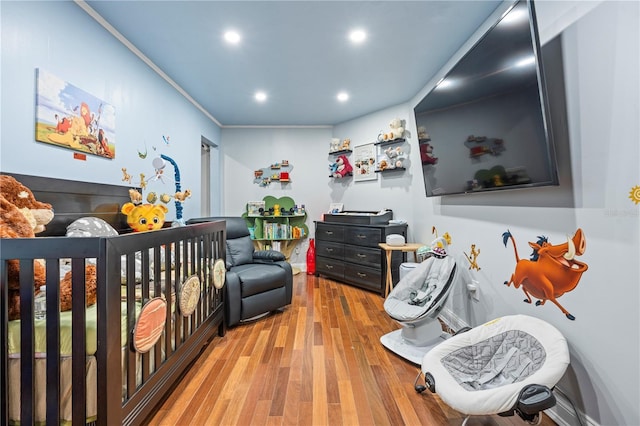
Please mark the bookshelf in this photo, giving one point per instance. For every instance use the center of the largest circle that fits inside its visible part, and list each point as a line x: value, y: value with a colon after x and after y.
x: 279, y: 226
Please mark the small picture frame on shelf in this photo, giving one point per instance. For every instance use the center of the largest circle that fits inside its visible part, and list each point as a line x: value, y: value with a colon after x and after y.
x: 255, y: 208
x: 335, y: 207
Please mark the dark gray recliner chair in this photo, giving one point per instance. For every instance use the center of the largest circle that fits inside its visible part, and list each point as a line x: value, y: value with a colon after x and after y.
x: 257, y: 281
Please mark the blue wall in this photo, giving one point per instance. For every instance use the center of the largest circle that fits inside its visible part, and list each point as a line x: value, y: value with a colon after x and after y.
x: 62, y: 39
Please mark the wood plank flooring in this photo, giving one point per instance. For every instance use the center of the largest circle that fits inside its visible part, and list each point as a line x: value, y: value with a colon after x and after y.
x: 318, y: 362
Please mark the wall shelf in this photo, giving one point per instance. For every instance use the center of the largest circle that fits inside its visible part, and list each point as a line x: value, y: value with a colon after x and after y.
x: 390, y: 142
x: 340, y: 152
x: 395, y: 169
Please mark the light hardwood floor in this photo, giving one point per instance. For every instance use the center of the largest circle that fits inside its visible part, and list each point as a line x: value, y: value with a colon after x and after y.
x: 318, y: 362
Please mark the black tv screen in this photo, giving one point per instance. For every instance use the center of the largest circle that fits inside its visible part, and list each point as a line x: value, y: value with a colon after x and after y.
x: 485, y: 125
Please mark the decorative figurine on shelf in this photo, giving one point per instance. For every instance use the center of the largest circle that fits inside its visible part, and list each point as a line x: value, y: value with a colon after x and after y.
x: 395, y: 158
x: 396, y: 130
x: 346, y: 144
x: 333, y: 168
x: 343, y: 167
x: 334, y: 145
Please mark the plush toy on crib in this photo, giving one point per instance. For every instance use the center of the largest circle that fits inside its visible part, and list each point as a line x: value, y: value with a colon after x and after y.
x: 25, y: 222
x: 145, y: 217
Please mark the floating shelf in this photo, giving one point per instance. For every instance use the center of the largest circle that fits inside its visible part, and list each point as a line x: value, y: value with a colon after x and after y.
x: 341, y: 151
x: 391, y: 170
x: 389, y: 142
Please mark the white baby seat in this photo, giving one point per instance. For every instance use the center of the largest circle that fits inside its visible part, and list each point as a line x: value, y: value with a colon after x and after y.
x: 505, y: 366
x: 415, y: 303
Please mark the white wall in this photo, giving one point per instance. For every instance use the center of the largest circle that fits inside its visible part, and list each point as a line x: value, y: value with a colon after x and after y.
x: 64, y: 40
x: 247, y: 149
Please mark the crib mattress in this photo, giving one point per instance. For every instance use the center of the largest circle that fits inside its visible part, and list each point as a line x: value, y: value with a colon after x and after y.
x: 65, y: 333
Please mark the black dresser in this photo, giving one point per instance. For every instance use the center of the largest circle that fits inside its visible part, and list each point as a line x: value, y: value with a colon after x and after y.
x: 350, y: 253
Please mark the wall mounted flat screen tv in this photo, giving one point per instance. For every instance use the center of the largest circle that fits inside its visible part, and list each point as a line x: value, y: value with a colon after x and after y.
x: 485, y: 126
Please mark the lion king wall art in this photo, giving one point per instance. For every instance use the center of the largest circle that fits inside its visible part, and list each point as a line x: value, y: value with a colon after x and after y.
x: 551, y: 270
x: 69, y: 117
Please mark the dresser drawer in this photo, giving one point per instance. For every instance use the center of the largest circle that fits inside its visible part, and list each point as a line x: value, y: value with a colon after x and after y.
x: 363, y: 255
x: 326, y: 232
x: 328, y: 249
x: 362, y: 236
x: 363, y: 276
x: 331, y: 267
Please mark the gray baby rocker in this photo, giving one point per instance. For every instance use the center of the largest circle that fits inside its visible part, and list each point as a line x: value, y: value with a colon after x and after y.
x: 416, y: 301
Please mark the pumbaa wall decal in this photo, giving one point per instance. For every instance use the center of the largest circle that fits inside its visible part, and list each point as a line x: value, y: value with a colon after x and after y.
x: 551, y: 270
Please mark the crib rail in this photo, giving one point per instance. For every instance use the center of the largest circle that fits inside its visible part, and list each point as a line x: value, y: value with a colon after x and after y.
x: 130, y: 270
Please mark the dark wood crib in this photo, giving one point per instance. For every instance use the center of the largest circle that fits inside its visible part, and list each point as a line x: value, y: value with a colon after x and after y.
x: 102, y: 376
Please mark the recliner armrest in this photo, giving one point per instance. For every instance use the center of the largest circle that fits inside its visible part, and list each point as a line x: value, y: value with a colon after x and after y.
x: 268, y: 255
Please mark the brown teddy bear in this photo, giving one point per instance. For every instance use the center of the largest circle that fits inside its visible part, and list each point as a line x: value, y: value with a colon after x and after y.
x: 36, y: 212
x: 14, y: 224
x: 23, y: 219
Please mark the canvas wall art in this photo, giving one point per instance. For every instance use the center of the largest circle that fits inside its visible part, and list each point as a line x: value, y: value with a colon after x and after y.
x: 69, y: 117
x: 364, y: 166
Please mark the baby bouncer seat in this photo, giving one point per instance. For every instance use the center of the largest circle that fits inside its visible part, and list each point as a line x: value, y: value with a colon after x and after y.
x: 415, y: 303
x: 506, y: 366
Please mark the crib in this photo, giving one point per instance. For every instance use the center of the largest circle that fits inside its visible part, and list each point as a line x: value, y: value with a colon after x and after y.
x: 83, y: 366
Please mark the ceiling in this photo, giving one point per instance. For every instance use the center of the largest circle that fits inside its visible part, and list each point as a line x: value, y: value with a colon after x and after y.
x: 297, y: 52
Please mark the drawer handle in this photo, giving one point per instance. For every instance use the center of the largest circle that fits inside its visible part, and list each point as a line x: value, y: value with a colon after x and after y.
x: 361, y: 256
x: 329, y: 232
x: 362, y: 237
x: 362, y: 275
x: 329, y: 250
x: 329, y: 266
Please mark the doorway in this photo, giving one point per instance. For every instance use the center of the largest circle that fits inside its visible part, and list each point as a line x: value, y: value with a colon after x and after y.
x: 211, y: 182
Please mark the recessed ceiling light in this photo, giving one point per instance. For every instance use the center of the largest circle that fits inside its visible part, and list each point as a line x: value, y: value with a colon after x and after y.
x: 260, y: 96
x: 343, y: 96
x: 232, y: 37
x: 357, y: 36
